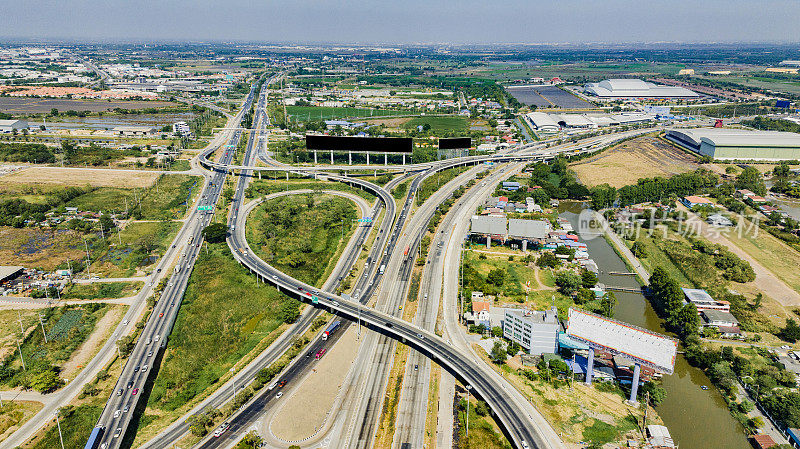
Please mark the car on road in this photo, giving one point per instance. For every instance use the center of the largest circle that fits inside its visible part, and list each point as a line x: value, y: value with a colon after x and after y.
x: 119, y: 392
x: 221, y: 429
x: 320, y: 353
x: 135, y: 392
x: 130, y: 385
x: 117, y: 432
x: 124, y: 322
x: 157, y: 337
x: 525, y: 445
x: 420, y: 336
x: 161, y: 315
x: 135, y: 369
x: 336, y: 303
x: 125, y: 410
x: 272, y: 387
x: 279, y: 394
x: 416, y: 367
x: 150, y: 353
x: 144, y: 368
x: 117, y: 413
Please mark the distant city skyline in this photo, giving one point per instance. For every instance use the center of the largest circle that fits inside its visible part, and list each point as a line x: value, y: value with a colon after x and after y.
x: 411, y: 21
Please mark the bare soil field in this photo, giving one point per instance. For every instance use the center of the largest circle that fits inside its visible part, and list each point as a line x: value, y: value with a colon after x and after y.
x: 33, y: 105
x: 104, y: 327
x: 643, y: 157
x: 33, y: 247
x: 78, y: 177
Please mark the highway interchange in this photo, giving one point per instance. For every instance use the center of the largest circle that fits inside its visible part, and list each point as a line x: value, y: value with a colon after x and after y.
x: 395, y: 233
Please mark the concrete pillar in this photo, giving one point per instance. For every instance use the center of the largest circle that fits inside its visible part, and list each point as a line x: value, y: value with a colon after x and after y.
x: 349, y: 158
x: 367, y: 158
x: 259, y: 174
x: 635, y: 383
x: 287, y: 176
x: 315, y: 157
x: 331, y: 157
x: 385, y: 159
x: 404, y: 159
x: 524, y: 245
x: 488, y: 241
x: 590, y: 366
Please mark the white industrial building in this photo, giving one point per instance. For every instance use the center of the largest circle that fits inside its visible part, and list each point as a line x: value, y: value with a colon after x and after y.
x: 181, y: 129
x: 535, y: 331
x: 542, y: 122
x: 742, y: 144
x: 8, y: 126
x: 633, y: 88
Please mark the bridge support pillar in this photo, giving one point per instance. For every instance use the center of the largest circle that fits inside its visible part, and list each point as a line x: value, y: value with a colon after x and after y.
x: 385, y: 159
x: 349, y: 158
x: 315, y: 157
x: 634, y: 383
x: 331, y: 157
x: 404, y: 159
x: 287, y: 176
x: 367, y: 158
x: 590, y: 366
x: 259, y: 174
x: 524, y: 245
x: 488, y: 241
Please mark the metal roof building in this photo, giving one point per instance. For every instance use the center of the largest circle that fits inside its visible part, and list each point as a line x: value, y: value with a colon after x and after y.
x: 528, y: 229
x: 633, y: 88
x: 725, y: 143
x: 488, y: 225
x: 7, y: 273
x: 543, y: 122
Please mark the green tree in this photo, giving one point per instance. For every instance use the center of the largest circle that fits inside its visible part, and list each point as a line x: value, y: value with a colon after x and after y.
x: 497, y: 331
x: 496, y: 276
x: 791, y: 332
x: 46, y: 381
x: 215, y: 232
x: 548, y: 260
x: 750, y: 178
x: 588, y: 279
x: 567, y: 281
x: 290, y: 311
x: 498, y: 353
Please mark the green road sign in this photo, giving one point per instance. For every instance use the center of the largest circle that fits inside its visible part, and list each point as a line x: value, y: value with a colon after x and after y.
x: 315, y: 300
x: 205, y: 208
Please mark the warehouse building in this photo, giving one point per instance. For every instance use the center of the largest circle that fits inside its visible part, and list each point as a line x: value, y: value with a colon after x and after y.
x: 633, y: 88
x: 542, y: 123
x: 8, y: 126
x: 742, y: 144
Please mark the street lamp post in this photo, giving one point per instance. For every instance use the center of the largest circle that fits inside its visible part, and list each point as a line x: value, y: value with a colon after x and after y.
x: 469, y: 387
x: 60, y: 436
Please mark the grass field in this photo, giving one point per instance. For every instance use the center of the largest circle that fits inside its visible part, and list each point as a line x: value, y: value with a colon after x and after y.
x: 438, y: 123
x: 142, y: 244
x: 224, y: 315
x: 266, y: 187
x: 14, y: 414
x: 165, y: 199
x: 314, y: 113
x: 79, y: 177
x: 781, y: 259
x: 39, y: 248
x: 642, y: 157
x: 434, y: 182
x: 518, y: 274
x: 300, y: 234
x: 101, y: 290
x: 78, y: 422
x: 67, y: 327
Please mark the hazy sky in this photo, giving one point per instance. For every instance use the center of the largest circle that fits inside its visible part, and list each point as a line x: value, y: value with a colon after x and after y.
x: 406, y: 21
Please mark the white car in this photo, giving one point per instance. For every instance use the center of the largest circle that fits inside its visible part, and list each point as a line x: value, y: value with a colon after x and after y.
x: 271, y: 387
x: 117, y: 413
x: 124, y: 322
x: 144, y: 368
x: 336, y: 303
x: 279, y: 394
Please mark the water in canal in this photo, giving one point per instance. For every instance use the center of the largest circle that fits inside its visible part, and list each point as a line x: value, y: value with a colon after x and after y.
x: 696, y: 418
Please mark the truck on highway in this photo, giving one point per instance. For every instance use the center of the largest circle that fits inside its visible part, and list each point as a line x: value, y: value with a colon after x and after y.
x: 191, y: 239
x: 329, y: 330
x: 177, y: 268
x: 382, y: 269
x: 94, y: 438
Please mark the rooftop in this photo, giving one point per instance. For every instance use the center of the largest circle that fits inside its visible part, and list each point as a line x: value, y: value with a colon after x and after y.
x: 722, y: 137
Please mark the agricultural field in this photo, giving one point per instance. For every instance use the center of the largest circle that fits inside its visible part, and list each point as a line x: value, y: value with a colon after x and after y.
x: 301, y: 234
x: 651, y: 157
x: 573, y: 71
x: 439, y: 123
x: 67, y: 327
x: 314, y: 113
x: 77, y: 177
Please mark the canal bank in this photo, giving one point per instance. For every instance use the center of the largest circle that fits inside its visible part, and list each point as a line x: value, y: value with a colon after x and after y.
x: 696, y: 418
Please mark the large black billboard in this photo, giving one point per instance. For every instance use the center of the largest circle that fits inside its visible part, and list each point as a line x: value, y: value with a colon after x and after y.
x: 455, y: 143
x: 360, y: 144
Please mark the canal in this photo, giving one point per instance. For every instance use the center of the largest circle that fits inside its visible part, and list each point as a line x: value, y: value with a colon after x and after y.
x: 696, y: 418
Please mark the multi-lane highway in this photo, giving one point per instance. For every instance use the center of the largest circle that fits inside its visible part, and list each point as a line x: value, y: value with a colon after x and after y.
x: 118, y: 411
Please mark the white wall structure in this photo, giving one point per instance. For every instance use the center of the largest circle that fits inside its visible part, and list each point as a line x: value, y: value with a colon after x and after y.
x: 633, y: 88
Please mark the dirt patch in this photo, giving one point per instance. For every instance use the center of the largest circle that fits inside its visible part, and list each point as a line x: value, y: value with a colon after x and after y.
x: 643, y: 157
x: 389, y: 122
x: 95, y: 177
x: 33, y: 247
x: 305, y: 410
x: 89, y: 348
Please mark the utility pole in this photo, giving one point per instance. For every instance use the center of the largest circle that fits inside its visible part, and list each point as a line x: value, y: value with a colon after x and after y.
x: 20, y: 356
x: 60, y: 436
x: 88, y: 260
x: 469, y: 387
x: 43, y: 331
